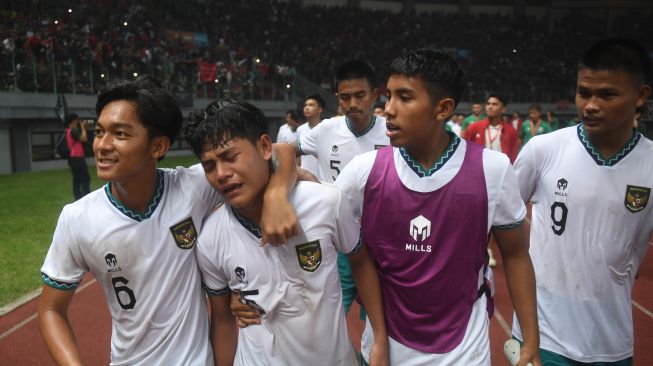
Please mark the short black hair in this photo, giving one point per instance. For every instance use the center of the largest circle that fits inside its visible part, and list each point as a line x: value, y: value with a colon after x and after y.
x: 294, y: 115
x: 501, y: 98
x: 71, y: 117
x: 356, y: 69
x: 316, y: 97
x: 379, y: 104
x: 222, y: 121
x: 442, y: 75
x: 618, y: 54
x: 157, y: 109
x: 536, y: 107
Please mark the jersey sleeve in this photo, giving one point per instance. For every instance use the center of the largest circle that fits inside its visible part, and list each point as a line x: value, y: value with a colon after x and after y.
x: 351, y: 181
x: 526, y: 171
x: 209, y: 261
x: 348, y: 228
x: 64, y: 264
x: 509, y: 210
x: 307, y: 142
x: 206, y: 194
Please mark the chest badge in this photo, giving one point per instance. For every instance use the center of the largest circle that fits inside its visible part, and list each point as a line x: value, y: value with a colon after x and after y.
x: 309, y: 255
x: 184, y: 233
x: 636, y: 198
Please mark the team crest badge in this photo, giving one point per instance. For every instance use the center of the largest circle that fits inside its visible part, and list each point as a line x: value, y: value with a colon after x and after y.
x: 309, y: 255
x: 184, y: 233
x: 636, y: 198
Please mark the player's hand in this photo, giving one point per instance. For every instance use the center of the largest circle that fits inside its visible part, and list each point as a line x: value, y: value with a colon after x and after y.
x: 379, y: 353
x: 245, y: 315
x: 278, y: 219
x: 529, y: 354
x: 305, y: 175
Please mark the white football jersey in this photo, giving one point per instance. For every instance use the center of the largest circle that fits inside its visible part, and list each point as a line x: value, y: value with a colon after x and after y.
x: 505, y: 210
x: 296, y: 284
x: 591, y: 223
x: 146, y: 266
x: 309, y: 162
x: 286, y: 134
x: 334, y: 143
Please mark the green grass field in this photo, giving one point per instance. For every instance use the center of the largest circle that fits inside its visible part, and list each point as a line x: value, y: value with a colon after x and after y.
x: 30, y: 204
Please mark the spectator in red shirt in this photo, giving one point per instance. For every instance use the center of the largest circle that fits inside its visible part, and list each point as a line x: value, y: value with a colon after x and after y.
x: 493, y: 132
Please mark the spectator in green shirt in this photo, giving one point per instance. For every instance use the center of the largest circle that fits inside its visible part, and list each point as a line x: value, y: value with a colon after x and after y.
x: 554, y: 121
x: 475, y: 116
x: 534, y: 125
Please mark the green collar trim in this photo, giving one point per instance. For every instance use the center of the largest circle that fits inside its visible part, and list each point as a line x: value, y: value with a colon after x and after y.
x: 367, y: 129
x: 151, y: 206
x: 446, y: 155
x: 596, y: 155
x: 250, y: 226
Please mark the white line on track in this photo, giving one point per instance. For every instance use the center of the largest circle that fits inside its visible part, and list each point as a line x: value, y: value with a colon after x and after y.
x: 502, y: 322
x: 643, y: 309
x: 33, y: 316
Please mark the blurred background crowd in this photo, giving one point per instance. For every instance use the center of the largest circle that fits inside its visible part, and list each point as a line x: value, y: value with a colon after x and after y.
x: 254, y: 49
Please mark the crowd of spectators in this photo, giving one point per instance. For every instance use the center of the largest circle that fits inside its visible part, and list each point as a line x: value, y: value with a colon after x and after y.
x: 253, y: 49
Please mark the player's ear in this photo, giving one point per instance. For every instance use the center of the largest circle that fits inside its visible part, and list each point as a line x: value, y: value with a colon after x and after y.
x: 375, y: 94
x: 159, y: 146
x: 264, y: 145
x: 643, y: 94
x: 445, y: 108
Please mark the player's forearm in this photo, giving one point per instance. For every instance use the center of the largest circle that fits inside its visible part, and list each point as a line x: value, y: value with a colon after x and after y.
x: 59, y: 338
x: 278, y: 219
x: 224, y: 340
x: 520, y: 279
x: 369, y: 289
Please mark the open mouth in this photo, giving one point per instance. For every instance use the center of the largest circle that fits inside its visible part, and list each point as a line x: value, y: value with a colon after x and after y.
x: 230, y: 188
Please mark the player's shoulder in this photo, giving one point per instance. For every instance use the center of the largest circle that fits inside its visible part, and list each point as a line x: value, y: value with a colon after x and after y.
x: 215, y: 219
x: 86, y: 204
x: 555, y: 139
x: 312, y: 190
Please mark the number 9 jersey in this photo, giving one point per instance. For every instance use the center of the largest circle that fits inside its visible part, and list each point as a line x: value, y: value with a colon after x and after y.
x: 591, y: 223
x: 145, y: 263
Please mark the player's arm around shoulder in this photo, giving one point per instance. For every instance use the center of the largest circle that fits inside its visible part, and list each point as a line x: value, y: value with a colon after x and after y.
x: 55, y: 326
x: 278, y: 219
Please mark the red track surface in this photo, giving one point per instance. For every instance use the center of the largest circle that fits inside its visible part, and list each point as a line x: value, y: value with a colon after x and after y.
x: 92, y: 324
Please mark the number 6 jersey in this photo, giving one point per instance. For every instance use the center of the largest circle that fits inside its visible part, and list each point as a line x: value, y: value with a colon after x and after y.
x: 145, y: 263
x: 591, y: 223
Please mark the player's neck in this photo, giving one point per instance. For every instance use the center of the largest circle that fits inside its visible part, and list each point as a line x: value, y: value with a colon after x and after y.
x: 494, y: 121
x: 427, y: 153
x: 362, y: 124
x: 253, y: 211
x: 314, y: 121
x: 610, y: 143
x: 136, y: 193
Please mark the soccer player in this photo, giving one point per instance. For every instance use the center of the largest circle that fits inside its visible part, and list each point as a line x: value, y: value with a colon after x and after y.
x: 295, y: 286
x: 473, y: 117
x: 494, y: 133
x: 137, y: 236
x: 411, y: 199
x: 288, y: 131
x: 336, y: 141
x: 590, y: 186
x: 313, y: 108
x: 534, y: 125
x: 379, y: 106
